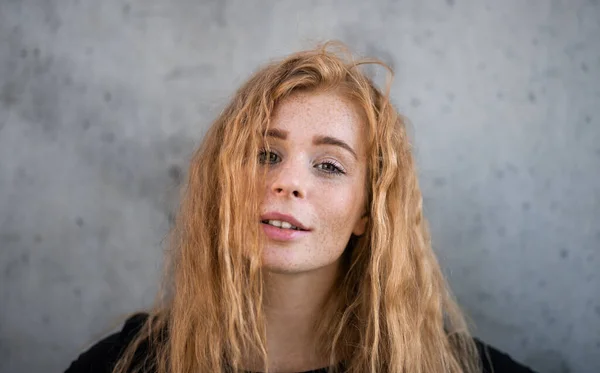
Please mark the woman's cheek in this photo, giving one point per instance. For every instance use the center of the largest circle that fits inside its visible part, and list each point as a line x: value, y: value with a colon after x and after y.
x: 341, y: 211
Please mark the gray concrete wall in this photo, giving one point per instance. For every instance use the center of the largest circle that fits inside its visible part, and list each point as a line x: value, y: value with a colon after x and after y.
x: 101, y: 103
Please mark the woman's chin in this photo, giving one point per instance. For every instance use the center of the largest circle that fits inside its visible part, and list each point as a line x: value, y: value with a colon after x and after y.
x: 289, y: 261
x: 283, y: 262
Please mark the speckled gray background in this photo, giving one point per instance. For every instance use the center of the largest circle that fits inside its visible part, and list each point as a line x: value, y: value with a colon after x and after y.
x: 102, y: 102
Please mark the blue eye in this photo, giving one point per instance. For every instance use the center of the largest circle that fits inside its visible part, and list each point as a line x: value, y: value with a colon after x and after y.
x: 265, y: 156
x: 328, y: 167
x: 331, y: 168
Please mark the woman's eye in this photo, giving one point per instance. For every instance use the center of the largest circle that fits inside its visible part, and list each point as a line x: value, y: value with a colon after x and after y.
x: 267, y: 157
x: 330, y: 167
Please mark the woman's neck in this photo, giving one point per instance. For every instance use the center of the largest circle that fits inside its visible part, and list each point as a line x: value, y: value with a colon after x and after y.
x: 293, y: 305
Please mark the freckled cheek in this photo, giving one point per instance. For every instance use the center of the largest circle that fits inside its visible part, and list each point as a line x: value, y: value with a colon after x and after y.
x: 336, y: 212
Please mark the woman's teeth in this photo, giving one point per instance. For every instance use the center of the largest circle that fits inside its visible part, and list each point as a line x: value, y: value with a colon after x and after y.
x: 280, y: 224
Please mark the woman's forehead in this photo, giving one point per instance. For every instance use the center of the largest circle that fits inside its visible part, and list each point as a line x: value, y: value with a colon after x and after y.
x: 306, y: 114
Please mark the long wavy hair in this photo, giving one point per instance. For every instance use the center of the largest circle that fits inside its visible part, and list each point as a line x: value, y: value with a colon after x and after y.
x: 391, y: 309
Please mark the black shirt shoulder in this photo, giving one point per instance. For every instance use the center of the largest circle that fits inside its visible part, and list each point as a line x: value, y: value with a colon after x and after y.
x: 102, y: 357
x: 496, y: 361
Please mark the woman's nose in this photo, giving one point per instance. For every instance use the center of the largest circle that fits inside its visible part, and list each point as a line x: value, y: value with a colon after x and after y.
x: 289, y: 180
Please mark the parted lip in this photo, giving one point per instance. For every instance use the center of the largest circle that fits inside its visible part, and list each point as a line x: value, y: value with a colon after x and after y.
x: 283, y: 217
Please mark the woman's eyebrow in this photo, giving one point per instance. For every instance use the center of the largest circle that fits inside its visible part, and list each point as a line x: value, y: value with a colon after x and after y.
x: 278, y: 134
x: 317, y: 140
x: 328, y: 140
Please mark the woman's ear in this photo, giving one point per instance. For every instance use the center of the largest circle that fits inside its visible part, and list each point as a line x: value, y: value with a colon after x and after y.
x: 361, y: 225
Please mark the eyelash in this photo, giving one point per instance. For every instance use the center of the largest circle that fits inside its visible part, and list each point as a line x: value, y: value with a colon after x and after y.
x: 338, y: 170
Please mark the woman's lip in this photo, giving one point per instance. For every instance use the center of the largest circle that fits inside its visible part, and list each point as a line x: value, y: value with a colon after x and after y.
x: 283, y: 217
x: 281, y: 234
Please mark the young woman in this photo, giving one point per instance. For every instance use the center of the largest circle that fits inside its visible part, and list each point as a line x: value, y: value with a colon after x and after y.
x: 300, y: 244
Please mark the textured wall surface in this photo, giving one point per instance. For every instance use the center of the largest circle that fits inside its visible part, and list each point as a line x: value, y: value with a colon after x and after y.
x: 102, y: 102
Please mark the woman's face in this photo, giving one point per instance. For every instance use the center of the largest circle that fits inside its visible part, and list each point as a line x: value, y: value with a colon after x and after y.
x: 315, y: 181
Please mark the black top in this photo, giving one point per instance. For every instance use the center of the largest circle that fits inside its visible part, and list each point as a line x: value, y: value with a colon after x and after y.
x: 102, y: 356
